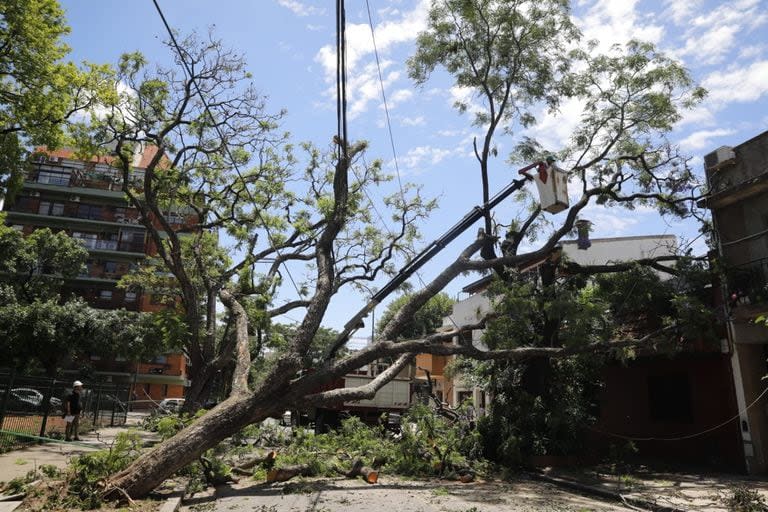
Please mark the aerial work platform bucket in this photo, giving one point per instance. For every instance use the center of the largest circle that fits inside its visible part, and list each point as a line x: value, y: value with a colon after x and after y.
x: 552, y: 183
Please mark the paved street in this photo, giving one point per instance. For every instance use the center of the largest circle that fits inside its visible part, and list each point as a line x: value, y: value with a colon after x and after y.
x: 396, y: 495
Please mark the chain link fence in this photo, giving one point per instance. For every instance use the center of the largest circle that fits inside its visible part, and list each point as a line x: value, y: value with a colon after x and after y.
x: 32, y: 407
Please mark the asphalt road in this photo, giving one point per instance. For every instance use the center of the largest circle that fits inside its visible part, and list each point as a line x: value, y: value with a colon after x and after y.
x: 396, y: 495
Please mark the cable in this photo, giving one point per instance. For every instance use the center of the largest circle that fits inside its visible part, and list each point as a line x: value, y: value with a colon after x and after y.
x: 384, y: 98
x: 682, y: 438
x: 221, y: 136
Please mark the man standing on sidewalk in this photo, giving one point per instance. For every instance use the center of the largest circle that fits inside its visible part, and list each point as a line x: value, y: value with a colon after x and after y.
x: 72, y: 409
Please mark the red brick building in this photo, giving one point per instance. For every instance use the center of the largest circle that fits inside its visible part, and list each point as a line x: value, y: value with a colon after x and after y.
x: 85, y: 199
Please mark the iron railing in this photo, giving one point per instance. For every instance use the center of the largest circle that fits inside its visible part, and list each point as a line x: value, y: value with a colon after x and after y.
x: 33, y: 407
x: 748, y: 283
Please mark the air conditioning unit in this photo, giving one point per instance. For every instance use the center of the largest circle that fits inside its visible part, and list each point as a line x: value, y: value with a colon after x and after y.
x: 75, y: 199
x: 34, y: 193
x: 720, y: 157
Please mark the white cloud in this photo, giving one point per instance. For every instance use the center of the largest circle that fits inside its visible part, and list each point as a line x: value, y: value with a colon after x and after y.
x: 700, y: 116
x: 399, y: 96
x: 679, y: 11
x: 711, y: 46
x: 703, y: 139
x: 711, y: 35
x: 750, y: 52
x: 362, y: 74
x: 301, y: 9
x: 413, y: 121
x: 615, y: 22
x: 424, y: 156
x: 735, y: 84
x: 553, y: 130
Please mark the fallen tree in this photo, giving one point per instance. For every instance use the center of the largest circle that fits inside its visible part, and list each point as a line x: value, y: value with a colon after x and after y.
x: 618, y: 156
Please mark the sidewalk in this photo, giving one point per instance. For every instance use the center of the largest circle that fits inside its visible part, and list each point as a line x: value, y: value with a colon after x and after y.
x: 657, y: 490
x: 17, y: 463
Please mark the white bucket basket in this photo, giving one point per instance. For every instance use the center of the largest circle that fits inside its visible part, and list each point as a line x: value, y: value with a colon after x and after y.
x: 552, y: 183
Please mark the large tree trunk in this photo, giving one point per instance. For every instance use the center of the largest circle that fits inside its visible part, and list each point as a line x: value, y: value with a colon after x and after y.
x: 196, y: 396
x: 149, y: 470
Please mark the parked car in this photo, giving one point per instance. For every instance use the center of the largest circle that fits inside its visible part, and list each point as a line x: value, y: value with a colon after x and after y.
x: 171, y: 404
x: 28, y: 399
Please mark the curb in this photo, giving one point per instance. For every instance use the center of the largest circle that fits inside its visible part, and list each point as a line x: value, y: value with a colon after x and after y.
x: 171, y: 505
x: 9, y: 506
x: 605, y: 494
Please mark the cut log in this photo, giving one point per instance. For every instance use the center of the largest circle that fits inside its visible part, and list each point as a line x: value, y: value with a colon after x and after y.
x: 286, y: 473
x: 370, y: 475
x: 268, y: 461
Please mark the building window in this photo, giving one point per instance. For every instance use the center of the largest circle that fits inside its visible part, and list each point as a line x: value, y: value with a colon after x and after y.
x: 147, y: 389
x: 89, y: 211
x: 53, y: 178
x: 48, y: 208
x: 669, y: 398
x: 105, y: 295
x: 165, y: 390
x: 110, y: 267
x: 130, y: 296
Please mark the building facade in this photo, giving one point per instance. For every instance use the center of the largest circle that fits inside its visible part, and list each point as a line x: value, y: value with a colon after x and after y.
x: 738, y: 199
x: 85, y: 199
x: 665, y: 404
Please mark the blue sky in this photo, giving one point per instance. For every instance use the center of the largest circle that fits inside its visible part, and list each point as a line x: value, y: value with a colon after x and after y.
x: 289, y: 48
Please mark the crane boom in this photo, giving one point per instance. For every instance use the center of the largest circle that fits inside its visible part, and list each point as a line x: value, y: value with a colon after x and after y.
x: 475, y: 214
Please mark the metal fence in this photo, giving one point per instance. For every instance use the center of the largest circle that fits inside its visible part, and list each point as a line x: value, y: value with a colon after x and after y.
x: 32, y: 407
x: 749, y: 282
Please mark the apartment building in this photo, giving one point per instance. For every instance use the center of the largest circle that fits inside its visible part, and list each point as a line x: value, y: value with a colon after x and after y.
x: 738, y: 199
x: 85, y: 199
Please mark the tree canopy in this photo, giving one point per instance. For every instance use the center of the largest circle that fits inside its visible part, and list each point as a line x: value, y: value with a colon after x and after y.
x: 42, y: 323
x: 39, y: 90
x: 231, y: 169
x: 425, y: 321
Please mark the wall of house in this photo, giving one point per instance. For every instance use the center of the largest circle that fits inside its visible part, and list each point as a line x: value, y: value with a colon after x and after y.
x: 671, y: 397
x: 753, y: 368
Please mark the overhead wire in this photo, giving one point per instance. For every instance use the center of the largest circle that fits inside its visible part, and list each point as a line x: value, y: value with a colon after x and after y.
x: 689, y: 436
x: 207, y: 109
x: 384, y: 98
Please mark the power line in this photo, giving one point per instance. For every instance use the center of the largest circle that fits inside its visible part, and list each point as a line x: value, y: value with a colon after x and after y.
x: 384, y: 99
x: 188, y: 70
x: 690, y: 436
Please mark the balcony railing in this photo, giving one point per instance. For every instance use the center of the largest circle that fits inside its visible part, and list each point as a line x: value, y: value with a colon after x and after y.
x: 748, y: 283
x: 76, y: 210
x: 111, y: 245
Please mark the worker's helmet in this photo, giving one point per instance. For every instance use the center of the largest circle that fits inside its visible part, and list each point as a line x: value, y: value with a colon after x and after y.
x: 76, y: 384
x: 550, y: 159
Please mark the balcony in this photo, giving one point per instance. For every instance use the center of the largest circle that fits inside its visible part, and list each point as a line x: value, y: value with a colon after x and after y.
x: 111, y: 245
x: 748, y: 283
x: 76, y: 210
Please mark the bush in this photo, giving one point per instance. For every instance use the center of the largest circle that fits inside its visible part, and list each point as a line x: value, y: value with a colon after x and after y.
x: 89, y: 472
x: 743, y: 499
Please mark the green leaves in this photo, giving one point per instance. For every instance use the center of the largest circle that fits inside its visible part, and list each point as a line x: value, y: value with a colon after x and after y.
x: 39, y: 92
x: 424, y: 322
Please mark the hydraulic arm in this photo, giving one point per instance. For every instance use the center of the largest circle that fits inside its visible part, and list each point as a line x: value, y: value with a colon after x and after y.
x: 424, y: 256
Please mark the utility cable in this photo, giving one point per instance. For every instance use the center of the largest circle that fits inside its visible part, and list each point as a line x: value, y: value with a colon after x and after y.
x: 221, y: 136
x: 384, y: 99
x: 690, y: 436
